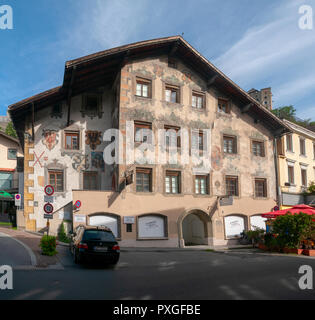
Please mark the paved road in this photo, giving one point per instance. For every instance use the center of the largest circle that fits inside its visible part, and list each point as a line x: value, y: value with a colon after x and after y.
x: 168, y: 275
x: 13, y: 253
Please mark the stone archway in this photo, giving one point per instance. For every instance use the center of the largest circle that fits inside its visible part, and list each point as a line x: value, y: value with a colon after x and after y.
x: 194, y: 228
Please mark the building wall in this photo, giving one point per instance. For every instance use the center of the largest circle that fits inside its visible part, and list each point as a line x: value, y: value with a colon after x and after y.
x: 6, y: 144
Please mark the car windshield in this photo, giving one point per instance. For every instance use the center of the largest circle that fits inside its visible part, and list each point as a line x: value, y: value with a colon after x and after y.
x: 99, y: 235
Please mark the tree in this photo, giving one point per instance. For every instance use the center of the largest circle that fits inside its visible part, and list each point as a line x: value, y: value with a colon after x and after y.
x: 10, y: 131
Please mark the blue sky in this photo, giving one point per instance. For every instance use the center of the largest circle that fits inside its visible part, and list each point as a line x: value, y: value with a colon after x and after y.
x: 256, y: 43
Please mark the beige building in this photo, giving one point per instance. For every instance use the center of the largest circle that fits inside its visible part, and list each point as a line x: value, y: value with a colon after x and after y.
x: 264, y: 96
x: 296, y: 164
x: 150, y: 86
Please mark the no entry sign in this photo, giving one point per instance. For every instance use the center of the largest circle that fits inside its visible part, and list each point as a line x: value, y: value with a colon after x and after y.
x: 78, y: 204
x: 49, y: 190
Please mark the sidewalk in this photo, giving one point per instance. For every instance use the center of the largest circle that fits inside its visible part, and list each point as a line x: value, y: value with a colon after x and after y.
x: 32, y: 241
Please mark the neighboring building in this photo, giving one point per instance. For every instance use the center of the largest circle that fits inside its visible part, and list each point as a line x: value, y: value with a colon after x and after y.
x: 296, y: 163
x: 10, y: 150
x: 156, y: 84
x: 4, y: 120
x: 264, y: 96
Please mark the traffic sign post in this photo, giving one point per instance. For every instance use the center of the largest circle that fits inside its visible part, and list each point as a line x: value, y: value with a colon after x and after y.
x: 78, y: 204
x: 18, y: 200
x: 48, y: 207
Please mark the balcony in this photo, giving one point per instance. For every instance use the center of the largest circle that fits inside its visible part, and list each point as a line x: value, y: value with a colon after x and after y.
x: 9, y: 184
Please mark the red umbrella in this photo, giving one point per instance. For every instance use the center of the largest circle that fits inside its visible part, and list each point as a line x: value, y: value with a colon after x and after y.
x: 296, y: 209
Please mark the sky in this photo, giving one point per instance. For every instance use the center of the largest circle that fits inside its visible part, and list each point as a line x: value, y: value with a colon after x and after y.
x: 257, y: 43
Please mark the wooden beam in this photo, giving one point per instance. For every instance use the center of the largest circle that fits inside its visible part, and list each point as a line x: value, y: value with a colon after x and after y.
x: 212, y: 81
x: 33, y: 122
x: 70, y: 94
x: 174, y: 49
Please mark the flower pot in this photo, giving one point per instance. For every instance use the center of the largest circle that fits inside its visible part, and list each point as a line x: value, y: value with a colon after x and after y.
x: 293, y: 250
x: 309, y: 252
x: 261, y: 246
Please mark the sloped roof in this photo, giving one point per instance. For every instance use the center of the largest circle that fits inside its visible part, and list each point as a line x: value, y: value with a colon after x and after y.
x: 94, y: 70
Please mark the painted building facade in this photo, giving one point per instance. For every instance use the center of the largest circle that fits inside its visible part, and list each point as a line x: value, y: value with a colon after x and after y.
x: 296, y: 164
x: 161, y: 84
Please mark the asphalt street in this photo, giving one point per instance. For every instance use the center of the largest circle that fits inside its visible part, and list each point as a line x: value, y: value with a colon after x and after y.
x: 145, y: 275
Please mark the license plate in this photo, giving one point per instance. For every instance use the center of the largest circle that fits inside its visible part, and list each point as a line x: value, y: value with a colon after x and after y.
x: 100, y: 249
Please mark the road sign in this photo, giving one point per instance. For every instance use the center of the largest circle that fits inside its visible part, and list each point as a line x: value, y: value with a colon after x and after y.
x: 49, y: 199
x: 18, y: 200
x: 78, y: 204
x: 48, y: 208
x: 49, y: 190
x: 48, y: 216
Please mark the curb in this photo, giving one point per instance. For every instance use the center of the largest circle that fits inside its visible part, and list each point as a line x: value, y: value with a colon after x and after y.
x: 28, y: 249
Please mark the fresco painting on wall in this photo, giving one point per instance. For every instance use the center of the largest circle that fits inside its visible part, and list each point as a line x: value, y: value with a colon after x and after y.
x: 93, y: 139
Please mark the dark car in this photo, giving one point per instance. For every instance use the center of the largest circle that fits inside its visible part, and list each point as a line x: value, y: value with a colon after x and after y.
x: 94, y: 244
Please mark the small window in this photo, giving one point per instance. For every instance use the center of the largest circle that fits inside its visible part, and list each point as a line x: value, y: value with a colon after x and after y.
x: 172, y: 94
x: 143, y: 88
x: 260, y: 188
x: 201, y: 185
x: 232, y: 186
x: 289, y: 142
x: 198, y: 100
x: 223, y: 106
x: 304, y: 177
x: 229, y: 144
x: 12, y: 154
x: 258, y: 148
x: 90, y: 181
x: 56, y: 180
x: 302, y: 147
x: 144, y: 180
x: 291, y: 174
x: 143, y: 132
x: 92, y: 105
x: 198, y: 141
x: 171, y: 137
x: 172, y: 182
x: 72, y: 140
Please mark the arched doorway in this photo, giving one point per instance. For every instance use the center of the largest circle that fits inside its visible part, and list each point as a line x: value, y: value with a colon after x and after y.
x: 194, y: 228
x: 111, y: 221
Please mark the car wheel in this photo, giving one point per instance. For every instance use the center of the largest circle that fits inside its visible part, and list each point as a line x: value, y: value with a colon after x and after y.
x: 75, y: 257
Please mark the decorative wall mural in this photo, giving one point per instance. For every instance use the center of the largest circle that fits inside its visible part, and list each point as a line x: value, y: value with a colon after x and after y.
x: 38, y: 159
x: 93, y: 139
x: 50, y: 139
x: 158, y: 70
x: 80, y: 162
x: 187, y: 76
x: 216, y: 159
x: 97, y: 160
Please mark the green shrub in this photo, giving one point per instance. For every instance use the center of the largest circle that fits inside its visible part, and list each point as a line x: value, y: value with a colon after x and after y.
x: 271, y: 242
x: 255, y: 236
x: 48, y: 245
x: 311, y: 188
x: 292, y: 229
x: 62, y: 236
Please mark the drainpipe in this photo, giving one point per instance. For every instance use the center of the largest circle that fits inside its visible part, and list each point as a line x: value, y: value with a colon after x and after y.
x: 278, y: 188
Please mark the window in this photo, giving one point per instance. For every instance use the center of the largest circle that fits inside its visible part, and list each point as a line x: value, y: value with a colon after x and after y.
x: 56, y: 180
x: 90, y: 181
x: 172, y: 182
x: 289, y: 142
x: 152, y: 226
x: 291, y: 174
x: 260, y: 188
x: 12, y: 154
x: 198, y: 141
x: 6, y: 181
x: 171, y: 137
x: 198, y: 100
x: 201, y: 185
x: 304, y: 177
x: 72, y: 140
x: 143, y: 88
x: 258, y: 148
x: 229, y: 144
x: 144, y: 180
x: 92, y: 105
x: 232, y: 186
x: 143, y: 132
x: 223, y: 106
x: 302, y: 147
x: 172, y: 94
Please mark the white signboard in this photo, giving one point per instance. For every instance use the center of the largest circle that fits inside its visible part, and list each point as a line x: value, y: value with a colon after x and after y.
x: 258, y: 222
x: 129, y: 220
x: 151, y: 227
x: 49, y: 199
x: 80, y: 219
x: 18, y: 200
x: 234, y: 226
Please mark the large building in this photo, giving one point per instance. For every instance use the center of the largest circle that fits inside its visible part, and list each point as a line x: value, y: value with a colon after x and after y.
x: 296, y: 164
x: 11, y: 177
x: 148, y: 87
x: 263, y: 96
